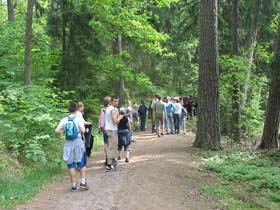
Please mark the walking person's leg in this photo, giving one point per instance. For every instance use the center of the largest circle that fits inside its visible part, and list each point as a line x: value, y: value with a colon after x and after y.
x: 112, y: 146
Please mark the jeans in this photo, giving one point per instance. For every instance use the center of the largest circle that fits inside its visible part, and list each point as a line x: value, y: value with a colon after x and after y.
x: 177, y: 122
x: 170, y: 123
x: 142, y: 122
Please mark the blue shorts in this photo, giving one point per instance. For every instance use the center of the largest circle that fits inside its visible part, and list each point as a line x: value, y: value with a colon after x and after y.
x: 81, y: 164
x: 105, y: 137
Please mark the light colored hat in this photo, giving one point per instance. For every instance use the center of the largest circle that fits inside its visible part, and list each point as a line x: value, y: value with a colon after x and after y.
x: 122, y: 109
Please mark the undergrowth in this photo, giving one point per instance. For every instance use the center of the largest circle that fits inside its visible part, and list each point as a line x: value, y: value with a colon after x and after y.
x: 246, y: 180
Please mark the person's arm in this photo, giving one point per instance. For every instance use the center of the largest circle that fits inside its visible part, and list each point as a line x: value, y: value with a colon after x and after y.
x: 128, y: 125
x: 115, y: 117
x: 81, y: 126
x: 59, y: 129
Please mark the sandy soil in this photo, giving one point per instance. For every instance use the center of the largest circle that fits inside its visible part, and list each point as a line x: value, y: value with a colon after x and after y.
x: 161, y: 175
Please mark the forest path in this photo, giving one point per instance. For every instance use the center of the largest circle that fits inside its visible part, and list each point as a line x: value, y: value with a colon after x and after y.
x: 161, y: 175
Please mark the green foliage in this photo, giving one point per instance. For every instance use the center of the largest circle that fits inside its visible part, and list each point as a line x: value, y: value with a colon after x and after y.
x: 28, y: 121
x: 246, y: 173
x: 233, y: 73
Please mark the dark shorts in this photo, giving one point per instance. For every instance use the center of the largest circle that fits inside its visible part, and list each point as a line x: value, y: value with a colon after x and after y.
x: 105, y: 137
x: 135, y: 116
x: 81, y: 164
x: 126, y: 148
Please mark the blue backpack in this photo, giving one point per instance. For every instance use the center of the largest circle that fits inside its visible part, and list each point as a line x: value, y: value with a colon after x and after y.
x: 71, y: 129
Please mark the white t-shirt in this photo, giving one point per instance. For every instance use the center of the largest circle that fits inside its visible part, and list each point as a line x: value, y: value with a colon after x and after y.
x: 109, y: 124
x: 177, y: 108
x: 78, y: 121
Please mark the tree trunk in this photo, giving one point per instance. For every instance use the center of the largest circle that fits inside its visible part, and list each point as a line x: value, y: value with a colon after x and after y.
x: 28, y: 44
x: 271, y: 126
x: 236, y: 114
x: 10, y: 6
x: 250, y: 46
x: 120, y: 90
x: 208, y: 126
x: 54, y: 23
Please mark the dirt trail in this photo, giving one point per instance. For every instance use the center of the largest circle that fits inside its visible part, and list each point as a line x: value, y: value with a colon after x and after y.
x: 161, y: 175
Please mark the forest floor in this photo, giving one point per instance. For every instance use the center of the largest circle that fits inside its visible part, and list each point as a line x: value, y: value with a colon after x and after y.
x: 162, y: 175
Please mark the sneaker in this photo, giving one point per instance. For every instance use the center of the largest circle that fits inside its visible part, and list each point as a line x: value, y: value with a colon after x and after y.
x: 119, y: 158
x: 84, y: 186
x: 74, y: 188
x: 126, y: 160
x: 114, y: 162
x: 110, y: 168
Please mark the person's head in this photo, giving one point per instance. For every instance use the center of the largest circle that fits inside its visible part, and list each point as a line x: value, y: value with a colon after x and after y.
x: 72, y: 107
x: 158, y: 97
x: 81, y: 106
x: 106, y: 101
x: 128, y: 103
x: 142, y: 102
x: 114, y: 101
x: 122, y: 110
x: 176, y: 99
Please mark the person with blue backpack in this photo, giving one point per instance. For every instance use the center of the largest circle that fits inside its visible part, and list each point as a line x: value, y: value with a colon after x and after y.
x: 74, y: 152
x: 169, y: 112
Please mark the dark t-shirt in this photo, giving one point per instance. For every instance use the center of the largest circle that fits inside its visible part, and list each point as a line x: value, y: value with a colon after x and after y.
x: 123, y: 123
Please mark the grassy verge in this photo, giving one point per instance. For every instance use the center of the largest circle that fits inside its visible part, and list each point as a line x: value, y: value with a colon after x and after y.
x: 20, y: 183
x: 246, y: 180
x: 19, y: 189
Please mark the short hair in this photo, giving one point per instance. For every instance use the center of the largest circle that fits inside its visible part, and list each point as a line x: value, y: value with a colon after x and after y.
x: 106, y: 100
x: 72, y: 107
x: 114, y: 97
x: 80, y: 104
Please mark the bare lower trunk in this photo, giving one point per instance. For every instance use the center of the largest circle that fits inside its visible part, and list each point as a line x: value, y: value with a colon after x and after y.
x: 236, y: 115
x: 28, y: 44
x: 208, y: 126
x: 250, y: 58
x: 271, y: 126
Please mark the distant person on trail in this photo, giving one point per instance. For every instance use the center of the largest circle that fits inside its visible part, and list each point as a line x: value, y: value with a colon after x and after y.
x: 184, y: 115
x: 143, y: 115
x: 160, y: 114
x: 177, y: 114
x: 129, y: 114
x: 135, y: 115
x: 152, y: 114
x: 190, y: 107
x: 169, y: 112
x: 112, y: 119
x: 101, y: 126
x: 123, y: 135
x: 80, y: 112
x: 87, y: 136
x: 74, y: 150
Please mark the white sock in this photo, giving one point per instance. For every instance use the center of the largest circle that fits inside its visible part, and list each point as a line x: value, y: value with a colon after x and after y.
x: 74, y: 184
x: 83, y: 180
x: 127, y: 154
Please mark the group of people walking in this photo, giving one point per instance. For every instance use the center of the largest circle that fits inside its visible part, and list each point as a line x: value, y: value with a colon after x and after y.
x: 116, y: 126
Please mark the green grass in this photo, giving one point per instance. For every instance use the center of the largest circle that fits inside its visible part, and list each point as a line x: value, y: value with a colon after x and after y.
x: 246, y: 180
x: 20, y: 183
x: 19, y: 189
